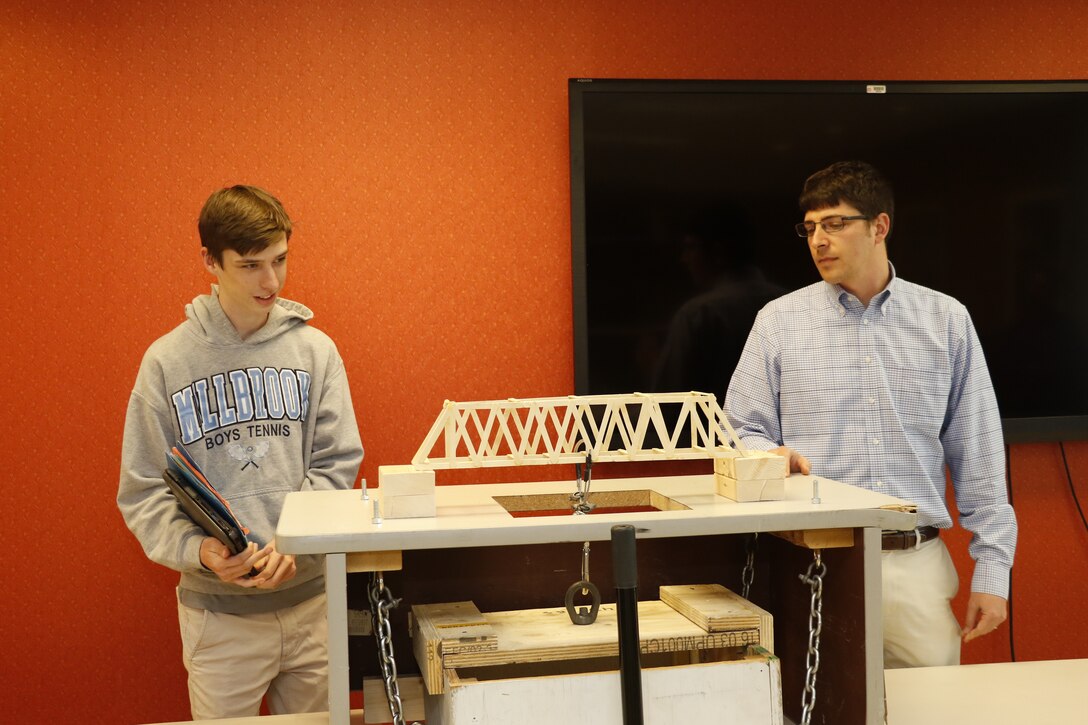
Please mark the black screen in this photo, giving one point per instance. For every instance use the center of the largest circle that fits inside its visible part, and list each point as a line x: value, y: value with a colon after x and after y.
x: 684, y: 195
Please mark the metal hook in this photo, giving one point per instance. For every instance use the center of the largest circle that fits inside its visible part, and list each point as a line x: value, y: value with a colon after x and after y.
x: 583, y: 615
x: 580, y: 497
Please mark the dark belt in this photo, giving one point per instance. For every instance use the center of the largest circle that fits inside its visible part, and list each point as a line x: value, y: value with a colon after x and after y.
x: 900, y: 540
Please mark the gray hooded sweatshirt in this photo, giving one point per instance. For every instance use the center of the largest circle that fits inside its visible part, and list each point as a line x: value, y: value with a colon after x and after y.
x: 262, y: 417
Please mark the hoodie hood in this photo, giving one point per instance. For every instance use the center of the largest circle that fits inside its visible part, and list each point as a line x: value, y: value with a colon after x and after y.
x: 208, y: 321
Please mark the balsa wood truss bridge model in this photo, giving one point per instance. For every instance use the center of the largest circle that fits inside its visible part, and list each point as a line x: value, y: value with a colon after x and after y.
x: 574, y: 429
x: 563, y: 430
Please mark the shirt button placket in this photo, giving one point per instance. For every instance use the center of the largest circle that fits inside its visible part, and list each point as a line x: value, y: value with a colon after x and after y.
x: 870, y: 376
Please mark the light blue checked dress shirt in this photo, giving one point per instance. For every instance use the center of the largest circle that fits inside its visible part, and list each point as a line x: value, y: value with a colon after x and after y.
x: 883, y: 398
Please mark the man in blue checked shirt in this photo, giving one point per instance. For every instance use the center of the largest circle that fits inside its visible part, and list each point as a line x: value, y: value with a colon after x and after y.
x: 874, y: 381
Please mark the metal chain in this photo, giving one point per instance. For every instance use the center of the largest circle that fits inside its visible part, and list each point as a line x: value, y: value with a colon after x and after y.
x: 815, y: 579
x: 381, y: 601
x: 749, y: 572
x: 585, y: 566
x: 580, y: 497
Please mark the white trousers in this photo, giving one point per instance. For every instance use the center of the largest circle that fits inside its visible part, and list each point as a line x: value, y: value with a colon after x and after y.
x: 920, y: 629
x: 233, y: 660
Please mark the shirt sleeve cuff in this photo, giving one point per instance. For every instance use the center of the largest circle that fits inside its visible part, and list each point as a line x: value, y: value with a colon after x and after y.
x: 991, y: 579
x: 190, y: 553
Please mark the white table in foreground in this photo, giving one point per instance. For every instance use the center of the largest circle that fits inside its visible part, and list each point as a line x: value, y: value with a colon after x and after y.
x: 309, y: 718
x: 1007, y: 693
x: 339, y: 522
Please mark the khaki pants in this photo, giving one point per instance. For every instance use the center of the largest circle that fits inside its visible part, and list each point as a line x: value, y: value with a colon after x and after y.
x: 920, y: 629
x: 234, y: 660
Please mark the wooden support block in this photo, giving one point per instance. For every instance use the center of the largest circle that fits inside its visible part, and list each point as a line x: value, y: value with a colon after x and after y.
x: 773, y: 489
x: 750, y: 475
x: 405, y: 481
x: 408, y: 507
x: 749, y: 465
x: 361, y: 561
x: 445, y: 628
x: 376, y: 704
x: 819, y: 538
x: 717, y: 609
x: 407, y: 493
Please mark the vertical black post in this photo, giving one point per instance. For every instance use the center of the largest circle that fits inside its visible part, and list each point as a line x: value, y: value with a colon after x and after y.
x: 625, y: 572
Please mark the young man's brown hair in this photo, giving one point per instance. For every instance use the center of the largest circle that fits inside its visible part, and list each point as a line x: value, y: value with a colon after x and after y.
x: 242, y: 218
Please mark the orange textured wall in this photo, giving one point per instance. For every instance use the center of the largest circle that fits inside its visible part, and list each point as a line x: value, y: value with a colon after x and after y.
x: 421, y: 148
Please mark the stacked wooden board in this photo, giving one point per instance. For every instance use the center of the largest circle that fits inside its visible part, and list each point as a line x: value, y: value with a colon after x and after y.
x: 750, y: 475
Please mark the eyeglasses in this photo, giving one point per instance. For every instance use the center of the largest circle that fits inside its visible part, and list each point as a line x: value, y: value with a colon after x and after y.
x: 831, y: 225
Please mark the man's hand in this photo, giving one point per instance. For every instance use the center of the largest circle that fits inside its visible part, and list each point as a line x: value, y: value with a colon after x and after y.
x: 797, y: 462
x: 985, y: 612
x: 233, y: 569
x: 274, y: 568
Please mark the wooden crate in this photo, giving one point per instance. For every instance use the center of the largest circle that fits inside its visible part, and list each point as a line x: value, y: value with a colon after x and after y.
x: 703, y: 659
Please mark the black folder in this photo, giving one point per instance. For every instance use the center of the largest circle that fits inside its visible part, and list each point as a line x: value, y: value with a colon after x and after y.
x: 195, y: 503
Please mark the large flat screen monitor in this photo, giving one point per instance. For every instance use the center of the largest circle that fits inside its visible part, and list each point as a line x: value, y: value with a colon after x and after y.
x: 684, y: 197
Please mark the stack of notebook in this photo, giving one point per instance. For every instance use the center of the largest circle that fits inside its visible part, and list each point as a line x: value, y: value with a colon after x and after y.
x: 199, y: 499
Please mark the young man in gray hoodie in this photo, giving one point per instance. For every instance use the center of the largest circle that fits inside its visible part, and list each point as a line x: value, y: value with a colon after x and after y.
x: 260, y: 400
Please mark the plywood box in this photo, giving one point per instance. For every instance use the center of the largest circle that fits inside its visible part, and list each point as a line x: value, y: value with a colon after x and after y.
x: 465, y: 638
x: 701, y: 653
x: 744, y: 691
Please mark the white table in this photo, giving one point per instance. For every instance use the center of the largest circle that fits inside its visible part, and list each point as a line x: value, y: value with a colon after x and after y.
x: 1016, y: 693
x: 336, y: 523
x: 1007, y: 693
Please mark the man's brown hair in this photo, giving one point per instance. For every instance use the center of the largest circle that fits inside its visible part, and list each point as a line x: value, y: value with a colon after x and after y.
x: 242, y: 218
x: 849, y: 182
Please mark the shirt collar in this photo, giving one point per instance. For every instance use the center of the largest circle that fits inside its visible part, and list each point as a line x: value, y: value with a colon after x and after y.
x: 840, y: 299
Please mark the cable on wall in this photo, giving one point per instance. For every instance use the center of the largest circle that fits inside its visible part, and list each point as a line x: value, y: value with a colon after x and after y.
x: 1072, y: 488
